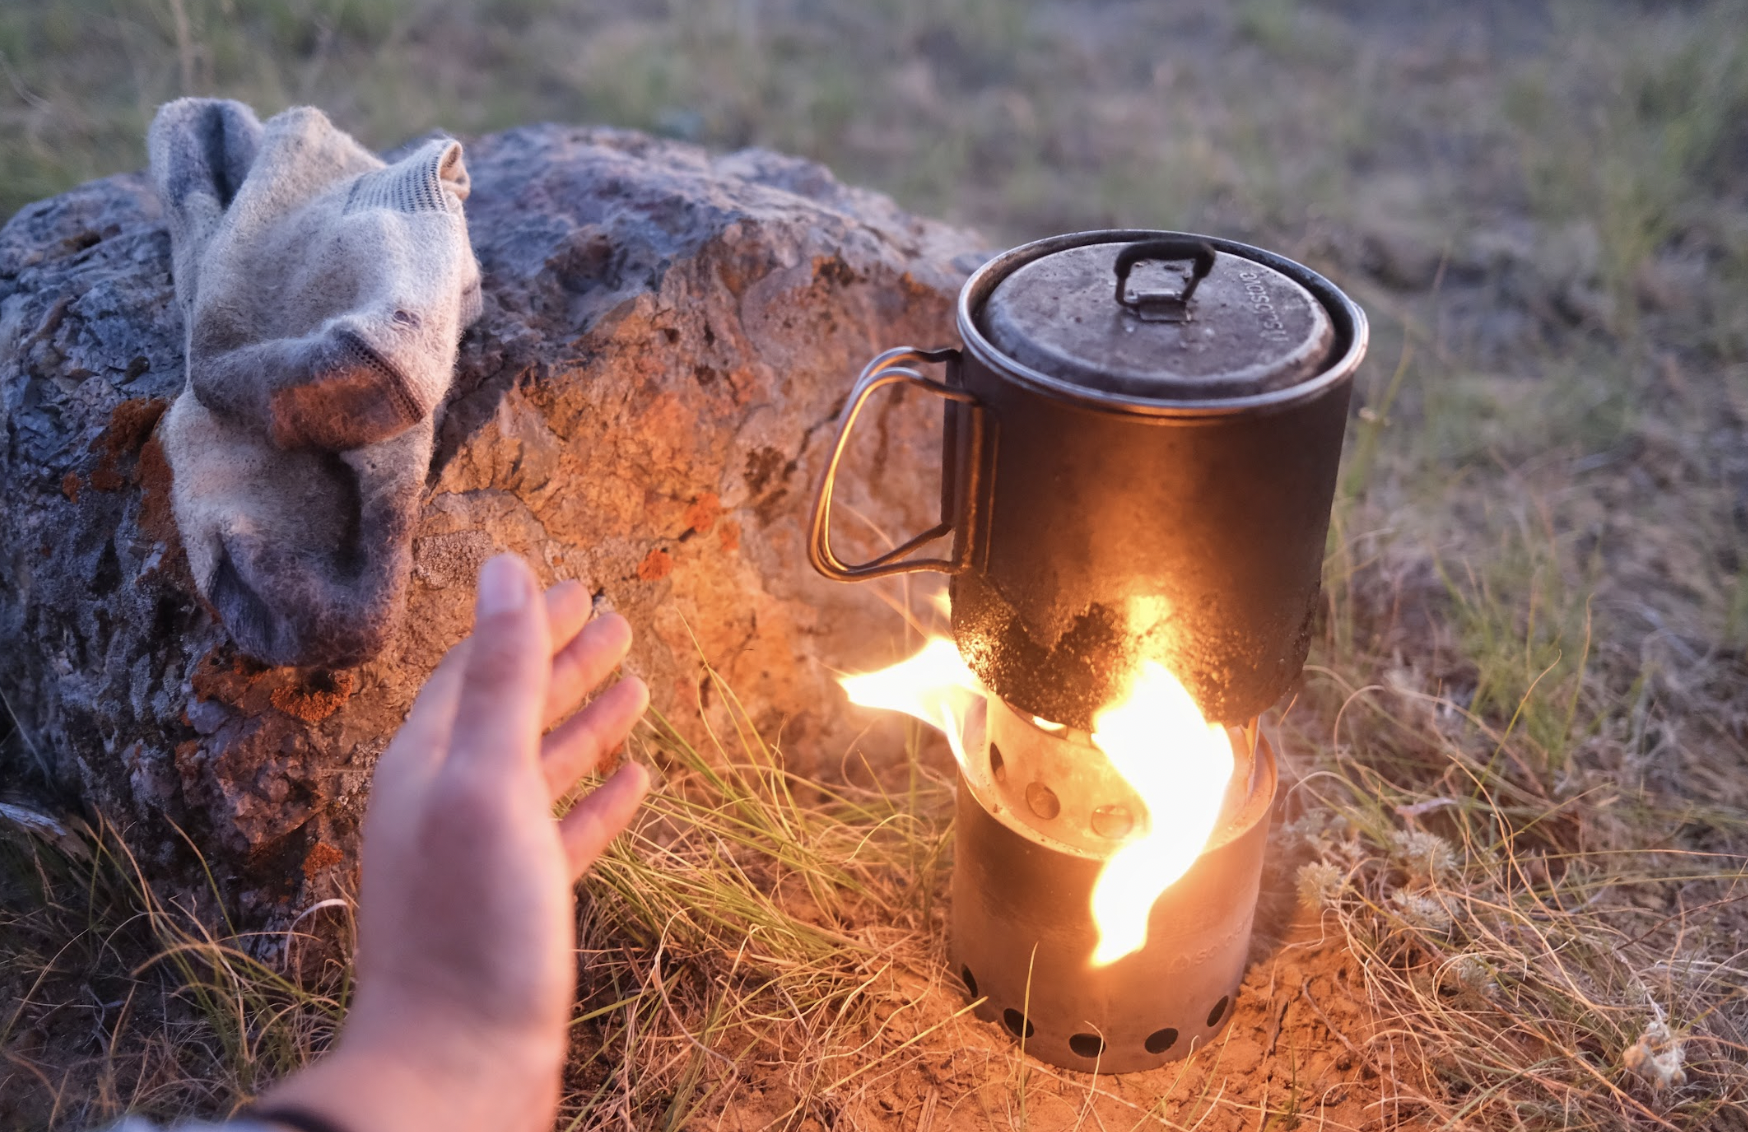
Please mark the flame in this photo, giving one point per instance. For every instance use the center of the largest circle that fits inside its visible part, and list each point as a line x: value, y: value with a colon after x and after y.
x: 1154, y: 735
x: 936, y: 686
x: 1179, y: 764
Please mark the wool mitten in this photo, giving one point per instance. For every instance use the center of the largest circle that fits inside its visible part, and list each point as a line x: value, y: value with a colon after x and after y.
x: 324, y: 292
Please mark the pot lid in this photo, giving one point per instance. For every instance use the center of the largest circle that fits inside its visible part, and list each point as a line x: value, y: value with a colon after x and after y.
x: 1167, y: 319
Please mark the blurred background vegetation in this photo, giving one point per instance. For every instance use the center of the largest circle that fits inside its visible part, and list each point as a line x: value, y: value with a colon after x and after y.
x: 1020, y: 116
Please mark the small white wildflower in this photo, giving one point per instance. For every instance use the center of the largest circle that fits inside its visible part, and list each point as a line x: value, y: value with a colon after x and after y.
x: 1309, y: 825
x: 1404, y: 681
x: 1320, y: 884
x: 1483, y: 857
x: 1474, y: 974
x: 1329, y: 836
x: 1424, y: 855
x: 1348, y: 850
x: 1656, y: 1057
x: 1421, y: 911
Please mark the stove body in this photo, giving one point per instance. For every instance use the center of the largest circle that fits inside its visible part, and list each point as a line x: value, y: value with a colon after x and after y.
x: 1037, y: 814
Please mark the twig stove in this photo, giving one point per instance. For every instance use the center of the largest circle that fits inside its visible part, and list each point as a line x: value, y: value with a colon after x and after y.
x: 1139, y: 456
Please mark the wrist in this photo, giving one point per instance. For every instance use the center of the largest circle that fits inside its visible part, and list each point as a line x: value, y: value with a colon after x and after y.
x: 369, y: 1084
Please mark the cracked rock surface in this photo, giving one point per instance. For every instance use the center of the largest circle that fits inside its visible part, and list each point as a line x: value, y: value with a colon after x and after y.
x: 645, y: 406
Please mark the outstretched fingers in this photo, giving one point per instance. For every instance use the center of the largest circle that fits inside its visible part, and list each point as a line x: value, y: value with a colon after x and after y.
x: 509, y: 680
x: 602, y: 816
x: 583, y: 660
x: 568, y: 606
x: 578, y: 745
x: 424, y: 739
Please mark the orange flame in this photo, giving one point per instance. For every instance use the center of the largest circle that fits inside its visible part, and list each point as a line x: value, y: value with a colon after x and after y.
x: 1154, y: 735
x: 1179, y: 764
x: 935, y: 686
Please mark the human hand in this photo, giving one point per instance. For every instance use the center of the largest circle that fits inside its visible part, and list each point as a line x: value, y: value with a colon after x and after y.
x: 467, y: 932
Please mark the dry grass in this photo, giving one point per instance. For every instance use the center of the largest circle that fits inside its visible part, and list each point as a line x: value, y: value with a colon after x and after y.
x: 1519, y: 768
x: 1522, y: 933
x: 119, y: 1001
x: 749, y: 918
x: 757, y: 920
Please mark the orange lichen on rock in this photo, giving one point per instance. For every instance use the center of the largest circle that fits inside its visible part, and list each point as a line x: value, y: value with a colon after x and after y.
x: 156, y: 519
x: 213, y: 679
x: 317, y: 698
x: 701, y: 516
x: 130, y: 423
x: 187, y: 760
x: 321, y: 856
x: 656, y: 565
x: 70, y: 486
x: 249, y: 686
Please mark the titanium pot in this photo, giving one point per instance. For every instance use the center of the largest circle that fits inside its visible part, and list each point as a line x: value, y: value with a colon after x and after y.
x: 1138, y: 459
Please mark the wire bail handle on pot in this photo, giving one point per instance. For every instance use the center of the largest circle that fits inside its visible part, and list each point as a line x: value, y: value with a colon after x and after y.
x: 962, y: 455
x: 1163, y: 306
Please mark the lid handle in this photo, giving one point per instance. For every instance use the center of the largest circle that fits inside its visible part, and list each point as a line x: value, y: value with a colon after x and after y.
x: 1163, y: 306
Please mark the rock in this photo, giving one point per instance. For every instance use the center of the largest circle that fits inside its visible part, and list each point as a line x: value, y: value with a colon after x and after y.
x: 668, y: 338
x: 1401, y: 257
x: 1400, y: 237
x: 1673, y: 281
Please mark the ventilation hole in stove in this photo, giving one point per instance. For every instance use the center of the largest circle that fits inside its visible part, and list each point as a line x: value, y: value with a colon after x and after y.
x: 1043, y: 801
x: 1113, y: 823
x: 1018, y: 1025
x: 997, y: 769
x: 970, y: 980
x: 1219, y: 1010
x: 1087, y: 1045
x: 1161, y: 1040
